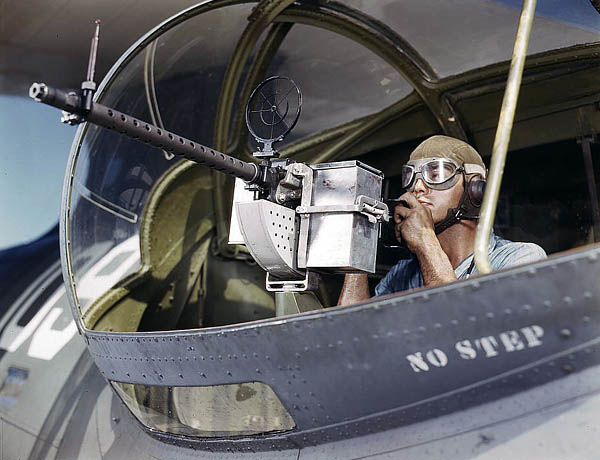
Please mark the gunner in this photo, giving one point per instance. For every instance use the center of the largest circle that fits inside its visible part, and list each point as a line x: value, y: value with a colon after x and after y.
x: 437, y: 221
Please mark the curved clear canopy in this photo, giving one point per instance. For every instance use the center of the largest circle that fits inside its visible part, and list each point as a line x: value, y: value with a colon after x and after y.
x: 340, y: 82
x: 135, y: 214
x: 482, y: 32
x: 175, y: 81
x: 142, y: 225
x: 113, y: 174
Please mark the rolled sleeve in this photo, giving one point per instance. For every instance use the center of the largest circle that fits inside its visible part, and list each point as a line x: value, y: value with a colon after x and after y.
x: 513, y: 254
x: 404, y: 275
x: 384, y: 286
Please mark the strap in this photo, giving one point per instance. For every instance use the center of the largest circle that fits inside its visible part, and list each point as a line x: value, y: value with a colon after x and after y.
x: 455, y: 215
x: 471, y: 267
x: 461, y: 212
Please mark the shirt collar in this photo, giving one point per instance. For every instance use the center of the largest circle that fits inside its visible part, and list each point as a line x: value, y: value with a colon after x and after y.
x: 463, y: 267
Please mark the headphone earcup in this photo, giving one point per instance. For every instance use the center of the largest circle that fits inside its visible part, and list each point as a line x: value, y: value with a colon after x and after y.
x: 475, y: 190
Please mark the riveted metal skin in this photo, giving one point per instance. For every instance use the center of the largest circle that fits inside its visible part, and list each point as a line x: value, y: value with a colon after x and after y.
x: 511, y: 426
x: 342, y: 373
x: 347, y: 368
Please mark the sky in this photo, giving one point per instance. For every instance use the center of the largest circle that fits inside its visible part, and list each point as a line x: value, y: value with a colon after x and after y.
x: 34, y: 147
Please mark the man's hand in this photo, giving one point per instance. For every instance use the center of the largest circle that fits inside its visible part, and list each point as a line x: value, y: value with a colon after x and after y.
x: 414, y: 224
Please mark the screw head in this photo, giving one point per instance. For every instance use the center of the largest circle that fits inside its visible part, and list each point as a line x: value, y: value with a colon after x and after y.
x: 565, y: 333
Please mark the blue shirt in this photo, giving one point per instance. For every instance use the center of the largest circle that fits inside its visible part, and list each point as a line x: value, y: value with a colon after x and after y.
x: 406, y: 274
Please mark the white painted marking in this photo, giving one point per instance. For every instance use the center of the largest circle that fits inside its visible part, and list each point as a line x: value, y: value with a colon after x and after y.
x: 417, y: 362
x: 465, y: 349
x: 46, y: 341
x: 36, y: 320
x: 486, y: 347
x: 93, y: 284
x: 437, y: 357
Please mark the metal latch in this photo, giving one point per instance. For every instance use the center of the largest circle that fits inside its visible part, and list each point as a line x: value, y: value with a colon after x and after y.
x: 375, y: 210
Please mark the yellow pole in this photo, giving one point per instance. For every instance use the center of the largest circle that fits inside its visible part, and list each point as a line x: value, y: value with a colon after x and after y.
x: 507, y: 114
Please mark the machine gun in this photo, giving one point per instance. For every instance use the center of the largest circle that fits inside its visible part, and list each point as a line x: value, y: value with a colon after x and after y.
x: 295, y: 219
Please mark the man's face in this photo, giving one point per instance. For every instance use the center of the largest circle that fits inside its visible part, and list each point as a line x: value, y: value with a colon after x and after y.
x: 438, y: 201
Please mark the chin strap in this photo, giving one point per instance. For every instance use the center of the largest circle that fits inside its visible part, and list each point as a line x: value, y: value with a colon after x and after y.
x: 464, y: 211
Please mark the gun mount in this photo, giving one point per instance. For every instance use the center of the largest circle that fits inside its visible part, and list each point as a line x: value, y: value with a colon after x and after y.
x: 295, y: 219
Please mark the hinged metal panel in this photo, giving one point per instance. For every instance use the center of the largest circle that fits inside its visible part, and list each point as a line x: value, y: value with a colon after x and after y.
x: 346, y: 241
x: 270, y: 233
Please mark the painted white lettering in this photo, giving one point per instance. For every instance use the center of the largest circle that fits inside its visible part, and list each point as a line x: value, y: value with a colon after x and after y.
x: 36, y: 320
x: 465, y: 349
x: 437, y: 357
x: 417, y: 362
x: 511, y: 341
x: 488, y: 345
x: 533, y: 334
x: 47, y: 341
x: 104, y: 274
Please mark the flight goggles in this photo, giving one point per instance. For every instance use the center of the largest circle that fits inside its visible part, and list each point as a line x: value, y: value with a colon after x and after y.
x: 437, y: 173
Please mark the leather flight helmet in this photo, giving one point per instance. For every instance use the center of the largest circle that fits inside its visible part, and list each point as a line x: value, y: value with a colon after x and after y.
x: 474, y: 174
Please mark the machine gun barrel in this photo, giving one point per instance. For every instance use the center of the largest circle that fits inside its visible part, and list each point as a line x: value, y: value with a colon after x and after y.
x: 109, y: 118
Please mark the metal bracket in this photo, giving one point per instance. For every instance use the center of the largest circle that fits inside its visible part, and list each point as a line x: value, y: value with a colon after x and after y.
x: 306, y: 173
x: 309, y: 283
x: 266, y: 152
x: 290, y: 187
x: 376, y: 211
x: 70, y: 119
x: 91, y: 85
